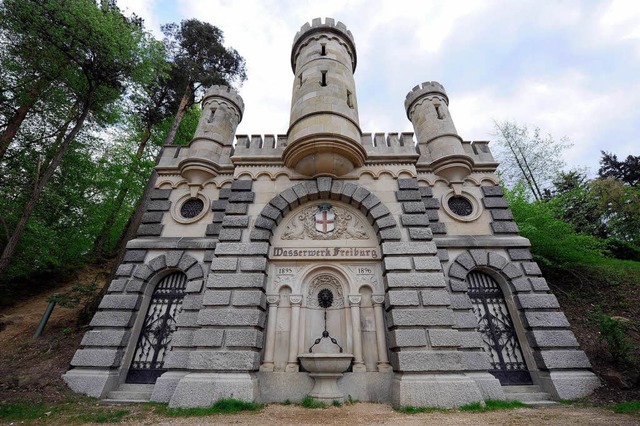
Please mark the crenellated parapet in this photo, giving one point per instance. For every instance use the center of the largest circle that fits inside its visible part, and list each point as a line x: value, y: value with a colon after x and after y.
x: 428, y: 90
x: 312, y: 31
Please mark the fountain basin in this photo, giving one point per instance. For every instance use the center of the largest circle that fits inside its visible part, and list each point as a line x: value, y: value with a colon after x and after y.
x: 326, y: 369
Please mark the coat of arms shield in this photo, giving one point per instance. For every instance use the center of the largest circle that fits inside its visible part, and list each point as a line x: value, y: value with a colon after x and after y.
x: 325, y: 218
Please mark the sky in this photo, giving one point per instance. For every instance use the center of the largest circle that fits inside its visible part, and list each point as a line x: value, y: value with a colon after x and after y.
x: 571, y: 68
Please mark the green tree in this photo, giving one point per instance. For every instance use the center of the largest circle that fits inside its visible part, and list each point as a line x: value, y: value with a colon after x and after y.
x: 103, y: 50
x: 197, y: 52
x: 527, y: 156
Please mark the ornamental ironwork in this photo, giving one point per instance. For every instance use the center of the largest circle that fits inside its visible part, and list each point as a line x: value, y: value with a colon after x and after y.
x: 159, y: 323
x: 460, y: 206
x: 498, y: 333
x: 325, y: 300
x: 191, y: 208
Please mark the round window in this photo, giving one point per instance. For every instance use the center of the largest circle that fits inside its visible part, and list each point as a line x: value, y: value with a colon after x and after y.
x: 191, y: 208
x: 460, y: 206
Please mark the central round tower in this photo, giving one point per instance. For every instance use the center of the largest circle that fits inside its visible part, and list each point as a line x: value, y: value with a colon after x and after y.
x: 324, y: 136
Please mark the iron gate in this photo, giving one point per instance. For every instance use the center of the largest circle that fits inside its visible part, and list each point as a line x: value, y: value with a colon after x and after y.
x: 498, y: 334
x: 159, y: 324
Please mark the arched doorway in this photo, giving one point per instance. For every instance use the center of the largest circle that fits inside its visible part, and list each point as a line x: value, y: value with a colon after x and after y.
x: 497, y: 330
x: 159, y: 323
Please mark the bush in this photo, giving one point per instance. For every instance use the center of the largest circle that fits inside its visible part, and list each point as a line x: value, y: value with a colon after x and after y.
x: 614, y: 332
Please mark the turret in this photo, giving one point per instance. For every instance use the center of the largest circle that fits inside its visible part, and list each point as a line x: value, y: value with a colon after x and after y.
x: 439, y: 144
x: 324, y: 131
x: 209, y: 150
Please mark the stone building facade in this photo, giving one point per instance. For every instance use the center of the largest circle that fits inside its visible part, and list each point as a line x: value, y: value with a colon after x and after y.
x: 400, y: 247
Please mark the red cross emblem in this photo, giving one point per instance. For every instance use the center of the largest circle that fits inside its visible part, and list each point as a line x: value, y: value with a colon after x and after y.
x: 325, y: 219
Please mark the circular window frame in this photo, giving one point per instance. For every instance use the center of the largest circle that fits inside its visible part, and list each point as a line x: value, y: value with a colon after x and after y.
x: 475, y: 205
x: 176, y: 213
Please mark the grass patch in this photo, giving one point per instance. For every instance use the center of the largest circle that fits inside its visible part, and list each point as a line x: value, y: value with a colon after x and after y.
x: 408, y: 409
x: 73, y: 412
x: 21, y: 411
x: 223, y: 406
x: 630, y: 407
x: 309, y: 402
x: 107, y: 416
x: 336, y: 403
x: 492, y: 405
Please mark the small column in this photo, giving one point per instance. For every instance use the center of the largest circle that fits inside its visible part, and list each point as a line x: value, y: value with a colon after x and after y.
x: 358, y: 363
x: 292, y: 363
x: 383, y: 360
x: 270, y: 344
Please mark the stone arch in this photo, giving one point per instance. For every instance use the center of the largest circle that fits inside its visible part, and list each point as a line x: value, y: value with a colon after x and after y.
x: 151, y: 273
x: 326, y: 188
x: 506, y: 274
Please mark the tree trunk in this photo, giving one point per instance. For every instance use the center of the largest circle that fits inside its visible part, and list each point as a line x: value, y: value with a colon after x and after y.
x: 510, y: 144
x: 16, y: 120
x: 99, y: 245
x: 178, y: 117
x: 15, y: 237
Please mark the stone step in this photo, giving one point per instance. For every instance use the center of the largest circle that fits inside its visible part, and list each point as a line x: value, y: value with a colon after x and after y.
x: 129, y: 395
x: 528, y: 394
x: 129, y: 392
x: 136, y: 387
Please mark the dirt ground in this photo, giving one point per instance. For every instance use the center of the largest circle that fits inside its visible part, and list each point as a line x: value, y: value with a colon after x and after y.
x: 379, y: 414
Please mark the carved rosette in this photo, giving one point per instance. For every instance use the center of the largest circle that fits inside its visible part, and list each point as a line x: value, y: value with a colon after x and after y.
x: 330, y: 283
x: 345, y: 226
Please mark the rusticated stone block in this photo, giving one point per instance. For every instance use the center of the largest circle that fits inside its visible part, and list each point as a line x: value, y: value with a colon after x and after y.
x: 252, y: 264
x: 546, y: 319
x: 224, y: 193
x: 556, y: 359
x: 431, y: 203
x: 173, y: 258
x: 397, y: 264
x: 290, y: 197
x: 501, y: 214
x: 497, y: 261
x: 379, y: 212
x: 539, y: 284
x: 426, y: 192
x: 531, y: 268
x: 216, y: 298
x: 187, y: 319
x: 479, y: 256
x: 457, y: 271
x: 97, y: 358
x: 105, y: 337
x: 504, y: 227
x: 249, y: 298
x: 301, y: 192
x: 492, y: 191
x: 271, y: 212
x: 213, y: 229
x: 369, y: 202
x: 235, y: 222
x: 458, y: 285
x: 119, y: 301
x: 417, y: 220
x: 224, y: 360
x: 233, y: 234
x: 243, y: 338
x: 415, y: 361
x: 410, y: 183
x: 420, y: 317
x: 177, y: 359
x: 194, y: 286
x: 242, y: 249
x: 260, y: 235
x: 224, y: 264
x: 465, y: 319
x: 160, y: 194
x: 152, y: 217
x: 324, y: 186
x: 416, y: 279
x: 402, y: 298
x: 537, y: 301
x: 420, y: 234
x: 182, y: 338
x: 219, y: 205
x: 192, y: 302
x: 519, y: 254
x: 265, y: 223
x: 312, y: 189
x: 135, y: 286
x: 208, y: 337
x: 336, y: 189
x: 512, y: 271
x: 186, y: 262
x: 435, y: 297
x: 466, y: 261
x: 347, y: 192
x: 112, y: 319
x: 231, y: 317
x: 158, y: 263
x: 427, y: 263
x: 159, y: 206
x: 239, y: 280
x: 470, y: 339
x: 237, y: 208
x: 280, y: 204
x: 117, y: 286
x: 383, y: 222
x: 521, y: 284
x: 241, y: 185
x: 407, y: 338
x: 242, y: 197
x: 390, y: 234
x: 408, y: 195
x: 413, y: 207
x: 443, y: 338
x: 408, y: 248
x: 460, y: 301
x: 150, y: 230
x: 552, y: 338
x: 495, y: 203
x: 195, y: 271
x: 125, y: 270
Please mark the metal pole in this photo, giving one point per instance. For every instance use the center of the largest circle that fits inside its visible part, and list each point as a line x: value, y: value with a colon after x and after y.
x: 45, y: 318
